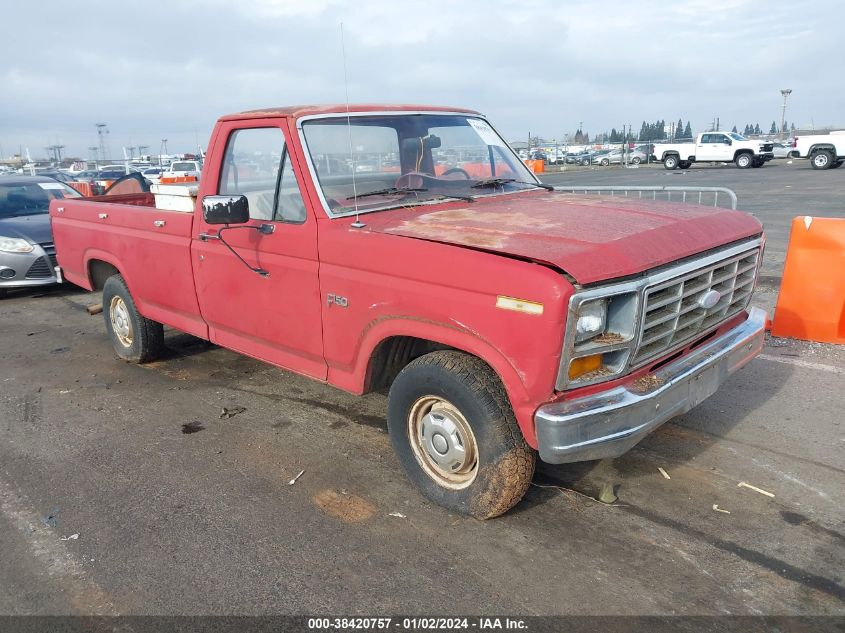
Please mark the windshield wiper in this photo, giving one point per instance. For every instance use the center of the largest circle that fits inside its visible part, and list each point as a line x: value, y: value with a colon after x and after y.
x: 388, y: 191
x: 498, y: 182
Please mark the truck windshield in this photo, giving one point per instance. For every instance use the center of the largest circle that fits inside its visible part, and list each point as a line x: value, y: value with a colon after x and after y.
x: 401, y: 159
x: 738, y: 137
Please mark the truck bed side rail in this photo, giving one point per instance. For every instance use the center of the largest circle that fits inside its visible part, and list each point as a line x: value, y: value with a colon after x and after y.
x: 699, y: 195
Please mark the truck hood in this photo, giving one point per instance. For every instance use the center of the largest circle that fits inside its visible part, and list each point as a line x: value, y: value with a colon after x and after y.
x: 591, y: 238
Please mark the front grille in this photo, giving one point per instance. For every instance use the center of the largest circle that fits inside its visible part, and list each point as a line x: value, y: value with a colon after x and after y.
x: 41, y: 269
x: 50, y: 249
x: 672, y: 315
x: 768, y: 147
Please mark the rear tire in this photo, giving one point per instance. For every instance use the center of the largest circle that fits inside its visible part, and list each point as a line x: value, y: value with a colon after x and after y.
x: 837, y: 164
x: 3, y: 293
x: 455, y: 434
x: 135, y: 338
x: 671, y: 162
x: 604, y: 162
x: 822, y: 159
x: 685, y: 164
x: 636, y: 160
x: 744, y: 160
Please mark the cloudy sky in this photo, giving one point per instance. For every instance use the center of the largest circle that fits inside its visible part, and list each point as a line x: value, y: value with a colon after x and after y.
x: 154, y: 70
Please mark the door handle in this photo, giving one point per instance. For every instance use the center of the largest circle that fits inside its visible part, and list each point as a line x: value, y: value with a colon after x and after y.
x: 204, y: 237
x: 103, y: 216
x: 159, y: 223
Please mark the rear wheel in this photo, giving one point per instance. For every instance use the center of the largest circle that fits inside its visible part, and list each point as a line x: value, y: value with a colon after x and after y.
x: 605, y: 162
x: 837, y: 164
x: 671, y: 162
x: 3, y: 293
x: 135, y: 338
x: 636, y: 160
x: 744, y: 160
x: 822, y: 159
x: 456, y: 436
x: 685, y: 164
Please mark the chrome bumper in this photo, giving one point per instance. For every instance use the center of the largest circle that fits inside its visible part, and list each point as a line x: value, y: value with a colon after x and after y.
x: 609, y: 423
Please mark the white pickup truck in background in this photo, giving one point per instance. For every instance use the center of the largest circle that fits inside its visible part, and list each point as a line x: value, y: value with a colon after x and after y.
x: 718, y: 147
x: 182, y: 168
x: 825, y: 151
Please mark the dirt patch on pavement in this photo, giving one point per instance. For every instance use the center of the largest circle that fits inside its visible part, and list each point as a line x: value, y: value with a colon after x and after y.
x: 347, y: 507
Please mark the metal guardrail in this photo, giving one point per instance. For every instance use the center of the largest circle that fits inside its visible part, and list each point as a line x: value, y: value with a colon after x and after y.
x: 683, y: 193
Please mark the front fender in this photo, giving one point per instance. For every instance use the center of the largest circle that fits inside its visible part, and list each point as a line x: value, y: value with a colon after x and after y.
x: 451, y: 335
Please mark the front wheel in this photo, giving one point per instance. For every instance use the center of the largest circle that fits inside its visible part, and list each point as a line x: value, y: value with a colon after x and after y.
x: 455, y: 434
x: 670, y: 162
x: 605, y: 162
x: 636, y: 160
x: 744, y: 161
x: 822, y: 159
x: 134, y: 337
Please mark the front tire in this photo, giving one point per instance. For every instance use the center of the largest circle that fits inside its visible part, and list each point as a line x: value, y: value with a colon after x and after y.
x: 455, y: 434
x: 135, y: 338
x: 822, y: 159
x: 670, y: 162
x: 605, y: 162
x: 636, y: 160
x: 744, y: 160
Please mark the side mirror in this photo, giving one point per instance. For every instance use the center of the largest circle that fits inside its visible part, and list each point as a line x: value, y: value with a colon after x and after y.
x: 728, y: 141
x: 225, y: 209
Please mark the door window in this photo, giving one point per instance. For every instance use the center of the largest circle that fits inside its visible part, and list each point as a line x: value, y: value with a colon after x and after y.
x: 256, y: 165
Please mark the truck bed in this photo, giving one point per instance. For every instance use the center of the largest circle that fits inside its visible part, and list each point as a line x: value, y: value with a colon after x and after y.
x: 149, y: 247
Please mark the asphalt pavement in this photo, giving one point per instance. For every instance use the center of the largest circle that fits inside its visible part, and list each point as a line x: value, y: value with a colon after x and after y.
x: 171, y: 488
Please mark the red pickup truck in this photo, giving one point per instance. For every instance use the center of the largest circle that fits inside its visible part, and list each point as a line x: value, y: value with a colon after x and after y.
x: 407, y: 248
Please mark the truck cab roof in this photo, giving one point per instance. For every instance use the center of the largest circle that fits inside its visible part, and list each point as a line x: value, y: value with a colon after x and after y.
x: 297, y: 111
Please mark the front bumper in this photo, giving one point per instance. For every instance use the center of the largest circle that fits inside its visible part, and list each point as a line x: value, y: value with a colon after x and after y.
x: 22, y: 270
x: 609, y: 423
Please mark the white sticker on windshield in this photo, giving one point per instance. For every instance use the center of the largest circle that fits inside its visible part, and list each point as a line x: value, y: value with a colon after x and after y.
x: 486, y: 132
x: 51, y: 185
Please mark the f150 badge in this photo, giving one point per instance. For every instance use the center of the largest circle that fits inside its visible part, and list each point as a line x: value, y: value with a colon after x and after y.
x: 340, y: 302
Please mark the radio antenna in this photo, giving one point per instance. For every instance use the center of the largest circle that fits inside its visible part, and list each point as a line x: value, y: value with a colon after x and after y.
x: 357, y: 223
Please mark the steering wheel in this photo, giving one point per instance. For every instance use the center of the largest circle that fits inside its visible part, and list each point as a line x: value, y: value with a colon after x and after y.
x: 457, y: 170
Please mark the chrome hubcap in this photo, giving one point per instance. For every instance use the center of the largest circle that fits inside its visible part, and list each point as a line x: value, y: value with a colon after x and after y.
x: 820, y: 160
x: 443, y: 442
x: 120, y: 322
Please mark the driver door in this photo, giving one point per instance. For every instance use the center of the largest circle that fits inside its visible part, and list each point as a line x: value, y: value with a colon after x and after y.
x: 276, y: 317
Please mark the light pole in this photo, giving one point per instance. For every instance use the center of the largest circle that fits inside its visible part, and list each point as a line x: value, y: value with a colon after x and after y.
x: 786, y: 92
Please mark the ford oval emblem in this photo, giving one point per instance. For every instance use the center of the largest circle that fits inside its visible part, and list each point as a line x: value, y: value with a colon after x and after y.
x: 709, y: 299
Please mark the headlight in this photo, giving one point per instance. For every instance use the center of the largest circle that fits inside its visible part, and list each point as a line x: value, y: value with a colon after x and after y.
x: 592, y: 317
x: 601, y: 334
x: 15, y: 245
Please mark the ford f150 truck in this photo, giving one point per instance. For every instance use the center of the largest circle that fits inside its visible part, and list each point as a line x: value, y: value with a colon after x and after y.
x: 719, y: 147
x: 825, y: 151
x: 504, y: 319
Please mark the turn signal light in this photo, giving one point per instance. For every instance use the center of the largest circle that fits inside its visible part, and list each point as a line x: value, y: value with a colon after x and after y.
x: 584, y: 365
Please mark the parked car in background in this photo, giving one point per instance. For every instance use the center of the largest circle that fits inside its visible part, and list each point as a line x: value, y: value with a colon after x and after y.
x: 617, y: 157
x: 152, y: 175
x: 183, y: 169
x: 715, y: 147
x: 781, y: 150
x: 55, y: 174
x: 27, y: 253
x: 825, y: 151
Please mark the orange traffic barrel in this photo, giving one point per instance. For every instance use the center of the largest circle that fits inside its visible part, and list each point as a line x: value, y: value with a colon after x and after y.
x: 170, y: 180
x: 811, y: 302
x: 82, y: 187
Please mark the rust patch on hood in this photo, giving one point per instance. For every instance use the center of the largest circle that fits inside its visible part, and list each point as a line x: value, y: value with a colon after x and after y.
x: 591, y: 238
